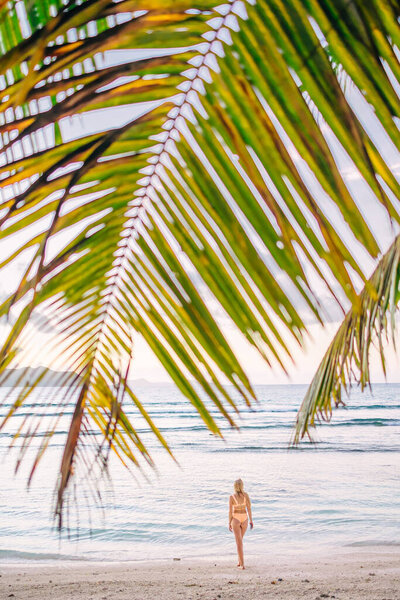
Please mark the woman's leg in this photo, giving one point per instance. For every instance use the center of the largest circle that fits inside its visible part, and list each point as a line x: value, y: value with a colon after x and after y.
x: 237, y: 530
x: 243, y: 526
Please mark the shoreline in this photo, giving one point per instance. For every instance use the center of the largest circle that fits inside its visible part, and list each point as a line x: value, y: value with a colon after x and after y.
x: 370, y: 574
x: 279, y: 552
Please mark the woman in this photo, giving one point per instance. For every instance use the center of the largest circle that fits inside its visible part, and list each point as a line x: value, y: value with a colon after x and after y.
x: 239, y: 503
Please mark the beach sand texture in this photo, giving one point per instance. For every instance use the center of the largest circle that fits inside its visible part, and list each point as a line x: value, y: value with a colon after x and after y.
x: 351, y: 575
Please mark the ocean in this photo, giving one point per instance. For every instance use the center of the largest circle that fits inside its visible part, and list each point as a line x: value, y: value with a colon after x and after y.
x: 341, y: 491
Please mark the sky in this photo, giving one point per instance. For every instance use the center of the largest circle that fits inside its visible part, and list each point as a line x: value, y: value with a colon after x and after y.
x: 145, y: 365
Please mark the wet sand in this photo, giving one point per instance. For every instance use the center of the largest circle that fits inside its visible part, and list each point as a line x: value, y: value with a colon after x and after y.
x: 343, y: 575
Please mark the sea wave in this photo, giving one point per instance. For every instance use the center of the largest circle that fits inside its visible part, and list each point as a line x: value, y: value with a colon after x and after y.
x: 9, y: 555
x: 369, y: 543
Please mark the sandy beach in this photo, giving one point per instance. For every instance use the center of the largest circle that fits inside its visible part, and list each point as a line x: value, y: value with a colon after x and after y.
x: 341, y: 575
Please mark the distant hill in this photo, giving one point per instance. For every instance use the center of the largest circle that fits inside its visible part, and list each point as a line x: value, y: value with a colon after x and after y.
x: 141, y: 382
x: 22, y: 376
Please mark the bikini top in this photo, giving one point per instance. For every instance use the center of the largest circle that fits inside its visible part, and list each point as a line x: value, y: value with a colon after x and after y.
x: 239, y: 507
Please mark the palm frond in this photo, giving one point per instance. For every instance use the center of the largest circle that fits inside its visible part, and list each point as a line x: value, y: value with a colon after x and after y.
x: 347, y: 360
x: 216, y: 189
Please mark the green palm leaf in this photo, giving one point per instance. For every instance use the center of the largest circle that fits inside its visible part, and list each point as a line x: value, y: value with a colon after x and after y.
x: 347, y: 359
x: 203, y: 173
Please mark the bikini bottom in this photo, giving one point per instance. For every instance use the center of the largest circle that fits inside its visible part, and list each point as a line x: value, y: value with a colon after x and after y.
x: 241, y: 517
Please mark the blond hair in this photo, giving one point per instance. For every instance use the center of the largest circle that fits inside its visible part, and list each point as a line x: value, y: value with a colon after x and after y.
x: 238, y: 486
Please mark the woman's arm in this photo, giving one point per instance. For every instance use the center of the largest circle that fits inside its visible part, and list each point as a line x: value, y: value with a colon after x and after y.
x: 230, y: 513
x: 248, y: 504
